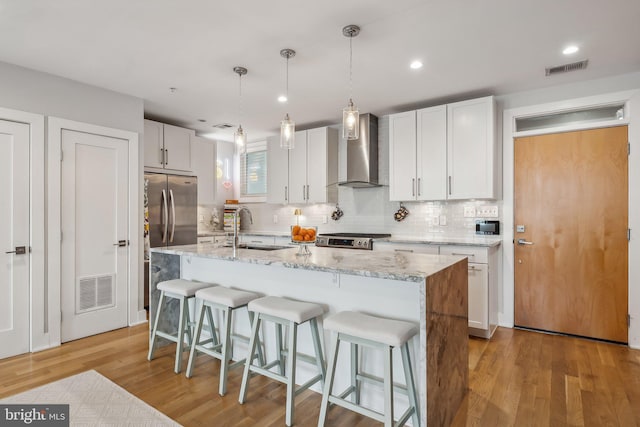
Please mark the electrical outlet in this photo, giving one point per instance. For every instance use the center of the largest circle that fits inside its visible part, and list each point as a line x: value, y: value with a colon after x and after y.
x: 201, y: 218
x: 275, y: 219
x: 487, y: 212
x: 443, y: 220
x: 435, y: 220
x: 324, y: 219
x: 469, y: 211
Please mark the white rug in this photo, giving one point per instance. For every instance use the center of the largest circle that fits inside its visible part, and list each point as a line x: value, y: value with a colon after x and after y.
x: 94, y: 401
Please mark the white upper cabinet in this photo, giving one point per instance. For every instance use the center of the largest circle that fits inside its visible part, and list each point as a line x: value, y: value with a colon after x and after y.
x: 472, y: 150
x: 444, y: 152
x: 277, y: 172
x: 167, y: 146
x: 298, y: 169
x: 307, y: 173
x: 153, y: 144
x: 204, y: 167
x: 402, y: 156
x: 431, y: 153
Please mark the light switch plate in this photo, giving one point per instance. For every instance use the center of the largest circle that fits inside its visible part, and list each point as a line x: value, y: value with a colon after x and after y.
x: 487, y: 212
x: 443, y: 220
x: 469, y: 211
x: 275, y: 219
x: 519, y: 228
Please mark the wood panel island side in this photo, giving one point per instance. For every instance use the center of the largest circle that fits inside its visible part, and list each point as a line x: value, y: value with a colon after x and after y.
x: 430, y: 290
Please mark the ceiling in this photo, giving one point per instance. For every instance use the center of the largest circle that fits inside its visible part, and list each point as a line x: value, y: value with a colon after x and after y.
x: 469, y: 48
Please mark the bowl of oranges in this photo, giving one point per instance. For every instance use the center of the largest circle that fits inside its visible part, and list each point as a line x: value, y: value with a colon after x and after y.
x: 303, y: 234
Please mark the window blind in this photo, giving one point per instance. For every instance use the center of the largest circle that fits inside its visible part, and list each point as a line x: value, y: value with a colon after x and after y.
x: 253, y: 170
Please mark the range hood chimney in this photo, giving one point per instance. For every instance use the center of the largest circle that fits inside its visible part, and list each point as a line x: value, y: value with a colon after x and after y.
x: 362, y: 155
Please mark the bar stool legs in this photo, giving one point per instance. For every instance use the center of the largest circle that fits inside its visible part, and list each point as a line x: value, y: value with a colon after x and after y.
x: 381, y: 334
x: 290, y: 314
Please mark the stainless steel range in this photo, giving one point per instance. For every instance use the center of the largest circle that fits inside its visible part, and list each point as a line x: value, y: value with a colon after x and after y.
x: 349, y: 240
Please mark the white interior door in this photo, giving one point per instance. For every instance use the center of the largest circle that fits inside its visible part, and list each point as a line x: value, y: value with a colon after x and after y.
x: 94, y: 211
x: 14, y: 238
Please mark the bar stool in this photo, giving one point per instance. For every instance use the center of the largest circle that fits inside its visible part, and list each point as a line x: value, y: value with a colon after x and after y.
x: 226, y: 300
x: 379, y: 333
x: 182, y: 290
x: 289, y: 313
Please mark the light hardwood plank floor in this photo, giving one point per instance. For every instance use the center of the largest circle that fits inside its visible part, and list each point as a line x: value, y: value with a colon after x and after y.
x: 518, y: 378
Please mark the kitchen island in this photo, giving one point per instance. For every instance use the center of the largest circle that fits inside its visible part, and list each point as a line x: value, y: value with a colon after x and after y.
x: 430, y: 290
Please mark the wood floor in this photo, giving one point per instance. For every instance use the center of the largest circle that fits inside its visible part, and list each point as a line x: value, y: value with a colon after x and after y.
x: 518, y: 378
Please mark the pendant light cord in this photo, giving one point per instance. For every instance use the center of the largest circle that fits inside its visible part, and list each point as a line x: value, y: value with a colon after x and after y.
x: 287, y: 79
x: 350, y: 67
x: 240, y: 99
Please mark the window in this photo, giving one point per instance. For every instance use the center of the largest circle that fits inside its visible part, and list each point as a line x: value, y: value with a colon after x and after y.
x: 253, y: 172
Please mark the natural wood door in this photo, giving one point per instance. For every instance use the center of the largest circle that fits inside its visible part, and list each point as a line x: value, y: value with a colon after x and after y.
x: 571, y: 195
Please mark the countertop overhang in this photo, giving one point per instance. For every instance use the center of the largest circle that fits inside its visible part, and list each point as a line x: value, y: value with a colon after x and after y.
x: 384, y: 265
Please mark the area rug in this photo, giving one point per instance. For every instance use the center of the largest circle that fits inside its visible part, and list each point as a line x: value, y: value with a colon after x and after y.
x: 94, y: 401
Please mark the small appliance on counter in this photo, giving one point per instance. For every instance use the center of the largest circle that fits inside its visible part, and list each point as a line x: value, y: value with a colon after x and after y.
x: 487, y: 228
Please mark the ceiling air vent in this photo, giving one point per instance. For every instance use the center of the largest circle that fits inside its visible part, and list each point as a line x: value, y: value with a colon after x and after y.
x: 575, y: 66
x: 223, y: 126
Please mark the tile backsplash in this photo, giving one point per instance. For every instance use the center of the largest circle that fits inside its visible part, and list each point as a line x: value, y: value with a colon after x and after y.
x: 365, y: 209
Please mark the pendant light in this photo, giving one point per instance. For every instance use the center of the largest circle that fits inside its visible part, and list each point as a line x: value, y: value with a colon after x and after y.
x: 287, y: 126
x: 350, y: 114
x: 240, y: 136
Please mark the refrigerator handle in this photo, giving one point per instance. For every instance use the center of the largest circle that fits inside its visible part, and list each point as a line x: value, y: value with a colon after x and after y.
x: 173, y: 215
x: 165, y: 217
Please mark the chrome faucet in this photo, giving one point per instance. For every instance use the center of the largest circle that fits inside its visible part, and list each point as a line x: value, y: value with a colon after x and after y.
x: 236, y: 213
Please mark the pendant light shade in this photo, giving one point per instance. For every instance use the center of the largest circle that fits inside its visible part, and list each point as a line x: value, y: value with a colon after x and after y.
x: 240, y: 136
x: 287, y: 126
x: 350, y: 114
x: 287, y: 133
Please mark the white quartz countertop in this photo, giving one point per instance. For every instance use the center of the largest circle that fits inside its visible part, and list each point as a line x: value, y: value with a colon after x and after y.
x: 487, y: 241
x: 385, y: 265
x: 473, y: 240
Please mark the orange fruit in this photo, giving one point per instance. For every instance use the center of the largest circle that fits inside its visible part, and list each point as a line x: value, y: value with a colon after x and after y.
x: 295, y: 230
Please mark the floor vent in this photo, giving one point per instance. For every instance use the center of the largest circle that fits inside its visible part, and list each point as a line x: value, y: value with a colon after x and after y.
x: 95, y: 293
x: 574, y: 66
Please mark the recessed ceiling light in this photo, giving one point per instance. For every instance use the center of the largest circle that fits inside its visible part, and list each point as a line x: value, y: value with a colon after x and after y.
x: 570, y: 50
x: 282, y: 98
x: 416, y: 64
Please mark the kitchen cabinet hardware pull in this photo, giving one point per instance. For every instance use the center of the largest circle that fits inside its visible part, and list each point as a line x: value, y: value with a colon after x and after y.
x: 449, y: 184
x: 403, y: 250
x: 173, y: 215
x: 286, y: 196
x: 460, y: 254
x: 166, y: 157
x: 307, y: 192
x: 472, y: 267
x: 413, y: 187
x: 419, y: 185
x: 303, y: 193
x: 19, y: 250
x: 165, y: 217
x: 162, y: 156
x: 257, y: 241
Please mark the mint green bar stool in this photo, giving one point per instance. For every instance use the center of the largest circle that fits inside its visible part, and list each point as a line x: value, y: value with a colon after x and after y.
x: 182, y: 290
x: 226, y: 300
x: 378, y: 333
x: 290, y: 314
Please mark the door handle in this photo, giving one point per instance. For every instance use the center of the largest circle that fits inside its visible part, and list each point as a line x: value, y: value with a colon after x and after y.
x: 165, y: 217
x: 173, y: 215
x: 121, y: 243
x: 524, y: 242
x: 20, y: 250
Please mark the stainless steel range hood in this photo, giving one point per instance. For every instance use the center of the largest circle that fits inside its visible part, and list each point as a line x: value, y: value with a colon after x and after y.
x: 362, y: 155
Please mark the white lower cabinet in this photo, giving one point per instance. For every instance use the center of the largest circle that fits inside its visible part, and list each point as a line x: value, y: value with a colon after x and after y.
x: 484, y: 270
x: 256, y: 239
x: 417, y: 248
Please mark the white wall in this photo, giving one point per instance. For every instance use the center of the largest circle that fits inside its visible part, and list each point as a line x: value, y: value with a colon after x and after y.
x: 48, y: 95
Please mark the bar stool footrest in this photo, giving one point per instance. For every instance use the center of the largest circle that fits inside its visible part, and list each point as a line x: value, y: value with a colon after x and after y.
x: 356, y: 408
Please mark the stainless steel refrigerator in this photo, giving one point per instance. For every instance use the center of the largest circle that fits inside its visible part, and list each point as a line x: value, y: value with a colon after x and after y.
x: 171, y: 213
